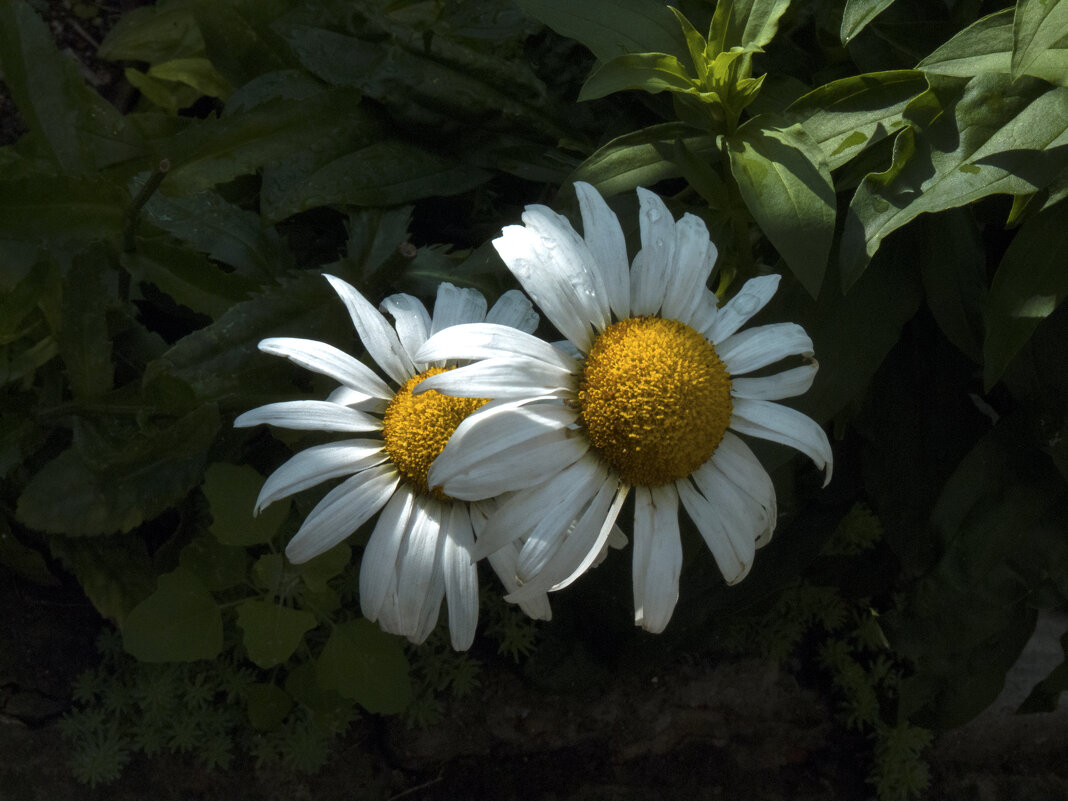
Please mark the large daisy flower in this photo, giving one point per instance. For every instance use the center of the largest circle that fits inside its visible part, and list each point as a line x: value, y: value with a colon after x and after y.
x: 422, y: 545
x: 648, y: 395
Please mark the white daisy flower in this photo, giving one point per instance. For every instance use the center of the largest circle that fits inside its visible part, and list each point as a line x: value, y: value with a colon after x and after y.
x: 649, y: 398
x: 422, y: 545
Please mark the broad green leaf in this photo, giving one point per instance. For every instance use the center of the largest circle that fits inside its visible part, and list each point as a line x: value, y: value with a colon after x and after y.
x: 642, y: 158
x: 84, y: 340
x: 268, y: 705
x: 989, y: 136
x: 749, y: 24
x: 195, y: 72
x: 272, y: 631
x: 367, y: 665
x: 223, y: 231
x: 270, y: 572
x: 219, y: 566
x: 702, y: 176
x: 1030, y: 283
x: 612, y: 28
x: 61, y: 209
x: 82, y: 131
x: 213, y: 151
x: 179, y: 622
x: 952, y: 264
x: 848, y: 115
x: 155, y: 33
x: 785, y: 183
x: 318, y: 571
x: 857, y: 15
x: 231, y: 491
x: 108, y: 486
x: 167, y: 95
x: 987, y: 46
x: 115, y: 573
x: 1037, y: 27
x: 238, y: 39
x: 648, y: 72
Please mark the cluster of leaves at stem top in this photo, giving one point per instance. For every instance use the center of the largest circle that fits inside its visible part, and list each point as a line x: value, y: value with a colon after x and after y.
x: 904, y: 165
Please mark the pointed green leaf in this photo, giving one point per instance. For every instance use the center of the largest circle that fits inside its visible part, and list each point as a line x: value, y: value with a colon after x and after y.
x: 648, y: 72
x: 1037, y: 27
x: 848, y: 115
x: 179, y: 622
x: 1030, y: 283
x: 195, y: 72
x: 987, y: 46
x: 231, y: 491
x: 785, y: 183
x: 857, y: 15
x: 272, y: 631
x: 62, y: 209
x: 367, y: 665
x: 695, y: 43
x: 611, y: 28
x: 974, y: 148
x: 752, y: 23
x: 154, y: 33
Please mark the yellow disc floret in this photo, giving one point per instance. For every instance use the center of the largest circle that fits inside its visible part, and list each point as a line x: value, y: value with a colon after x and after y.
x: 655, y: 399
x: 416, y: 427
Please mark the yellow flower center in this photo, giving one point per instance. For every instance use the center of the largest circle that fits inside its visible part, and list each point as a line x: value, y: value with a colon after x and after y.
x: 416, y: 427
x: 655, y: 399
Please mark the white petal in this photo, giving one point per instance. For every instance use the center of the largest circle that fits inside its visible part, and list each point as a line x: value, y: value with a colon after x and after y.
x: 548, y: 282
x: 420, y: 560
x: 329, y: 361
x: 541, y: 506
x: 703, y: 316
x: 503, y: 563
x: 787, y: 384
x: 788, y: 426
x: 309, y: 415
x: 318, y: 464
x: 744, y: 520
x: 344, y: 509
x: 763, y: 345
x: 506, y: 446
x: 690, y: 268
x: 378, y: 567
x: 376, y: 334
x: 608, y: 536
x: 572, y: 496
x: 653, y: 263
x: 411, y: 321
x: 604, y: 238
x: 504, y: 377
x: 657, y: 556
x: 753, y: 296
x: 455, y: 305
x: 712, y: 529
x: 514, y: 310
x: 461, y: 576
x: 737, y: 462
x: 361, y: 401
x: 486, y: 341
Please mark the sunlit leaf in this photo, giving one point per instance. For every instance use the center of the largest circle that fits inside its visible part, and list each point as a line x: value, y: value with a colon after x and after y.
x: 179, y: 622
x: 363, y: 663
x: 1030, y: 283
x: 787, y: 187
x: 748, y: 23
x: 195, y: 72
x: 857, y: 15
x: 648, y: 72
x: 1037, y: 27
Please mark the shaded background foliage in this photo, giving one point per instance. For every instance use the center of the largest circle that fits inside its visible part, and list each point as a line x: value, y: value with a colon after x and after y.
x: 902, y: 164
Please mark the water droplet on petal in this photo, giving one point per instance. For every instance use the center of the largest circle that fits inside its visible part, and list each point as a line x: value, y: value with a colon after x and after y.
x: 652, y: 214
x: 549, y: 243
x: 747, y: 304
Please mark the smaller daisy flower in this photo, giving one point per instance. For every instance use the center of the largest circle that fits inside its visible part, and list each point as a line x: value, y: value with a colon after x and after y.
x: 422, y: 546
x: 646, y: 399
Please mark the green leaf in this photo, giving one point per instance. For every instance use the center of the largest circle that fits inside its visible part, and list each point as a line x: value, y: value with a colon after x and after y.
x: 648, y: 72
x: 987, y: 46
x: 62, y: 209
x: 849, y: 115
x: 367, y: 665
x: 24, y: 560
x: 1030, y: 283
x: 272, y: 631
x: 988, y: 136
x: 318, y: 571
x: 239, y: 40
x: 179, y: 622
x: 82, y: 131
x: 195, y: 72
x: 1037, y: 27
x: 857, y: 15
x: 785, y: 183
x: 155, y: 33
x: 268, y: 705
x: 641, y: 158
x: 84, y: 340
x: 231, y: 491
x: 612, y: 28
x: 750, y: 24
x: 270, y: 572
x: 219, y: 566
x: 115, y: 573
x: 109, y: 486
